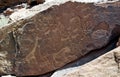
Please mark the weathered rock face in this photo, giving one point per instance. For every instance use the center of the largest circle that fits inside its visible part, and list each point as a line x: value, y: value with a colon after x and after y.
x: 8, y: 49
x: 106, y: 65
x: 57, y: 36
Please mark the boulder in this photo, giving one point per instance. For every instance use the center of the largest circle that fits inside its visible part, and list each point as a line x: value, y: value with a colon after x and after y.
x: 107, y: 65
x: 55, y: 37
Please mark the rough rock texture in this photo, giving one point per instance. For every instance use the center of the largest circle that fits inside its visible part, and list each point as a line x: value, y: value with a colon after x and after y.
x: 57, y: 36
x: 8, y: 49
x: 107, y: 65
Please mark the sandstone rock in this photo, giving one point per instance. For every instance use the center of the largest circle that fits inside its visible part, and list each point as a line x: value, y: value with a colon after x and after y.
x: 106, y: 65
x: 57, y: 36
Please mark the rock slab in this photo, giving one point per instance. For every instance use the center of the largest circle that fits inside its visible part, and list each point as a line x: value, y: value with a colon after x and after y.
x: 56, y: 37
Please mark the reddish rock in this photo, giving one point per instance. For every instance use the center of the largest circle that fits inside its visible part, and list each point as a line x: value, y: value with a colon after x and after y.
x: 8, y: 12
x: 65, y: 33
x: 58, y: 36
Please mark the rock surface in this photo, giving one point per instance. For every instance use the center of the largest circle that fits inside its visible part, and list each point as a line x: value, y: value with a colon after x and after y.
x: 55, y: 37
x: 106, y: 65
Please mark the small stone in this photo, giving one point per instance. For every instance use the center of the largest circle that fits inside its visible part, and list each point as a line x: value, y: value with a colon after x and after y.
x: 8, y: 12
